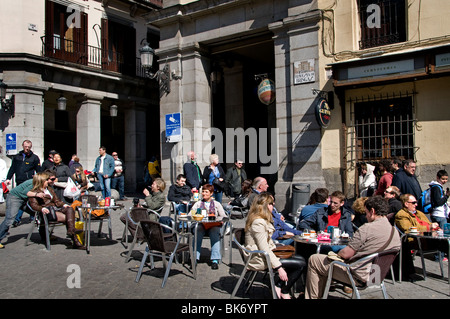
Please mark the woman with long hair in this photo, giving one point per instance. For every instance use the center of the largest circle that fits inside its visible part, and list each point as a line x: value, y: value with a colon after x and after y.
x: 50, y: 202
x: 80, y: 179
x: 258, y: 236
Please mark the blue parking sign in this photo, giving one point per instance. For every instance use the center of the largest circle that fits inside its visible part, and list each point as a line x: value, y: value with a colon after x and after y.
x: 11, y: 143
x: 173, y: 127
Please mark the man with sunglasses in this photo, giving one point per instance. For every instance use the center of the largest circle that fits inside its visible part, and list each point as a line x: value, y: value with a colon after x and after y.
x: 16, y: 198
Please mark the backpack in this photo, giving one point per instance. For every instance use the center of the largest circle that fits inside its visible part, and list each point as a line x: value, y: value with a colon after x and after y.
x: 427, y: 206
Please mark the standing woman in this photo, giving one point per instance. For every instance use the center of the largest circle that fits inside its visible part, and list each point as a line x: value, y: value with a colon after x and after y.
x: 62, y: 173
x: 50, y: 201
x: 213, y: 171
x: 258, y: 236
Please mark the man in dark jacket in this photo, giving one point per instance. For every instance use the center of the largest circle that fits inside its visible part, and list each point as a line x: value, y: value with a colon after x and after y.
x: 334, y: 215
x: 406, y: 180
x: 234, y: 177
x: 192, y: 172
x: 24, y: 165
x: 180, y: 193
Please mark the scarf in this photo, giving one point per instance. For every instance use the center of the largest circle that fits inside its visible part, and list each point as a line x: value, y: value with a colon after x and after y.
x: 212, y: 208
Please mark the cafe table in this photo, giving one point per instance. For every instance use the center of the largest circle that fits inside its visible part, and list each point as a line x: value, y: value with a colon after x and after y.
x: 427, y: 236
x: 319, y: 242
x: 87, y: 224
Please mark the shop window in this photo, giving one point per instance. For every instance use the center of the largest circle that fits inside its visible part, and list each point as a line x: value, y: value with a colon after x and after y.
x: 384, y: 129
x: 382, y: 22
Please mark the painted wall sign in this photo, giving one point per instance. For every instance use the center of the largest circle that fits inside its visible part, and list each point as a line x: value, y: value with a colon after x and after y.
x: 266, y: 91
x: 304, y: 71
x: 442, y: 59
x: 323, y: 112
x: 381, y: 69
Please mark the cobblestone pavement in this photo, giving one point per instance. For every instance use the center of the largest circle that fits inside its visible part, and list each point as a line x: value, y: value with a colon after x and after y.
x: 33, y: 272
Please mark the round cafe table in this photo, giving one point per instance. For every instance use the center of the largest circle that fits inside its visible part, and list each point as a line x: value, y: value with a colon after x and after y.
x: 319, y: 243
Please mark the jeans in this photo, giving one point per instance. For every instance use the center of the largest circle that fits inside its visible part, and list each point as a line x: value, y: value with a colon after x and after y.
x: 119, y: 184
x: 13, y: 204
x: 105, y: 185
x: 214, y: 236
x: 218, y: 196
x: 440, y: 220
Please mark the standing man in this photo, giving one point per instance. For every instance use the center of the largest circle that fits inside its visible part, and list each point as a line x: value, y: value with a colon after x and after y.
x: 192, y: 172
x: 234, y: 178
x: 104, y: 167
x: 406, y: 180
x: 368, y: 239
x: 118, y: 180
x: 24, y: 165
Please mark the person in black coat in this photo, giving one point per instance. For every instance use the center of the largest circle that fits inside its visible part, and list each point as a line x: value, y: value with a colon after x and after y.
x: 192, y: 172
x: 24, y: 165
x: 406, y: 180
x: 180, y: 193
x: 214, y: 175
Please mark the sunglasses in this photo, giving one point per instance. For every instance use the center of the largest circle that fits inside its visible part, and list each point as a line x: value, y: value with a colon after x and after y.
x: 52, y: 179
x: 414, y: 203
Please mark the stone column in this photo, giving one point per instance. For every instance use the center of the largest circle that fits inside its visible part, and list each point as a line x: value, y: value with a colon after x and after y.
x: 191, y: 96
x: 300, y: 155
x: 135, y: 146
x: 89, y: 130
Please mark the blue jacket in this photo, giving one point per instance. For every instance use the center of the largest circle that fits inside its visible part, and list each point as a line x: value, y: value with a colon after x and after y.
x: 108, y: 165
x: 281, y: 227
x: 319, y: 221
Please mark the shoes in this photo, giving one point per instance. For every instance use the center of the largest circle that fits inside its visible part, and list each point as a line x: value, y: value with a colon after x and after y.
x: 15, y: 224
x: 214, y: 265
x: 347, y: 290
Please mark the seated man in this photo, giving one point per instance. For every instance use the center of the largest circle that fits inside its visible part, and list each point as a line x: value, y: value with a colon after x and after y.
x: 180, y: 193
x: 334, y: 215
x: 374, y: 236
x: 283, y: 231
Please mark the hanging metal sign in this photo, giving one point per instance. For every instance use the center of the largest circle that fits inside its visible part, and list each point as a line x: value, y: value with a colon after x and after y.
x: 323, y: 112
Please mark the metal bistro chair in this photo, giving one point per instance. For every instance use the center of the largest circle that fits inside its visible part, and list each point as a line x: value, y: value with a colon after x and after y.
x: 382, y: 261
x: 239, y: 240
x: 159, y: 245
x: 421, y: 252
x: 135, y: 215
x: 39, y: 220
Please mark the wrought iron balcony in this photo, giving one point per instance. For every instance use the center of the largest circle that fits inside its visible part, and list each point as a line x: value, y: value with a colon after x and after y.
x: 66, y: 50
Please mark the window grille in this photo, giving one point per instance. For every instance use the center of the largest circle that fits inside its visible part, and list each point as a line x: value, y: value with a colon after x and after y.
x: 391, y: 21
x: 382, y: 128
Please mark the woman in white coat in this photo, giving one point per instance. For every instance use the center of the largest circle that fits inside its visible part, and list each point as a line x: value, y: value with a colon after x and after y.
x: 367, y: 180
x: 258, y: 236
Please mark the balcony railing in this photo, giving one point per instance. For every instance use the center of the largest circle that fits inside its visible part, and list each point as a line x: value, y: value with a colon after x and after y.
x: 82, y: 54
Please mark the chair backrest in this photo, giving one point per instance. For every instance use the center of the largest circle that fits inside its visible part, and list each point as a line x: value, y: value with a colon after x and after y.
x: 384, y: 261
x: 153, y: 234
x: 138, y: 214
x: 239, y: 235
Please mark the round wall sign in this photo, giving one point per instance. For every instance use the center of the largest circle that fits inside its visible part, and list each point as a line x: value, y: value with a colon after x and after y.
x: 266, y: 91
x: 323, y: 112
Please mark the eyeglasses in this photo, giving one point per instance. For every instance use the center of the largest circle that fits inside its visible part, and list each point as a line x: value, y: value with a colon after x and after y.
x: 414, y: 203
x: 114, y: 155
x: 52, y: 179
x: 386, y: 192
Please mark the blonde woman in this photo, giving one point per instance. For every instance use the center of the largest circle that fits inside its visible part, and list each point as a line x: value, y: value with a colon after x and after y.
x: 215, y: 172
x: 258, y: 236
x: 80, y: 179
x: 50, y: 202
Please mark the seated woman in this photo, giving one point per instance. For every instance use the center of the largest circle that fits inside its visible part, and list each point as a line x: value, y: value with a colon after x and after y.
x: 80, y: 179
x: 212, y: 207
x: 153, y: 200
x: 242, y: 199
x: 406, y: 218
x: 258, y: 236
x: 50, y: 201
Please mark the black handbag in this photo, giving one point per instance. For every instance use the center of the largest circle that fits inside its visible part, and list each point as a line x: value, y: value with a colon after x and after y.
x: 218, y: 185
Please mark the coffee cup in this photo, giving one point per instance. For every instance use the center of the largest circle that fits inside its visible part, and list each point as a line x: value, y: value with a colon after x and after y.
x: 413, y: 229
x: 313, y: 234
